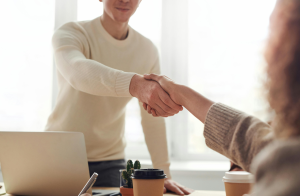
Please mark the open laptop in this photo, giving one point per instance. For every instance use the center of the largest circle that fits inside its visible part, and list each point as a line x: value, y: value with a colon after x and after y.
x: 44, y: 163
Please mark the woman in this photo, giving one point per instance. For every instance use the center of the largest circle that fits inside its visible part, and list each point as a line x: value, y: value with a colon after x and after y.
x: 243, y: 138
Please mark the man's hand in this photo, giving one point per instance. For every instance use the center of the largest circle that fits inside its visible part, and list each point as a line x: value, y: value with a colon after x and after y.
x: 193, y: 101
x: 151, y: 93
x: 168, y: 85
x: 171, y: 185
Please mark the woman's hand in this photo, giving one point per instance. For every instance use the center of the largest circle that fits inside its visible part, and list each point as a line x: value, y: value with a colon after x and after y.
x: 182, y: 95
x: 168, y: 85
x: 150, y: 92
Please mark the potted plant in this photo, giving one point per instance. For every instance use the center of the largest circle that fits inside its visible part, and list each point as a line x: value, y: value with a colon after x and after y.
x: 127, y: 190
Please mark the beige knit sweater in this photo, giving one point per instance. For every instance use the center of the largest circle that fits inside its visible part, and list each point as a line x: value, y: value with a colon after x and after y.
x: 244, y: 139
x: 94, y: 71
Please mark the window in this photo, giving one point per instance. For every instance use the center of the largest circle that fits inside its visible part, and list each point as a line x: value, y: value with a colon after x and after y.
x: 215, y: 47
x: 225, y: 59
x: 26, y: 64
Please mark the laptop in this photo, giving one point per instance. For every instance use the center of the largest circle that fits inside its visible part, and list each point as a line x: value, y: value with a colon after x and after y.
x: 43, y: 163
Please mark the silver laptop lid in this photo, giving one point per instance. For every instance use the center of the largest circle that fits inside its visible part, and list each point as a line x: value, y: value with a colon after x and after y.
x: 43, y: 163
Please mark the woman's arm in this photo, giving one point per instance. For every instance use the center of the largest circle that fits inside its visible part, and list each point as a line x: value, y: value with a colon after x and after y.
x: 232, y: 133
x: 193, y: 101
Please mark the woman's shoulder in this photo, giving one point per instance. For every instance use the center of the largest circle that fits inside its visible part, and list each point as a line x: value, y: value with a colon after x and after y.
x: 277, y: 168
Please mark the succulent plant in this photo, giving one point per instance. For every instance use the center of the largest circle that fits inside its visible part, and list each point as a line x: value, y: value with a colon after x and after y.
x: 126, y: 174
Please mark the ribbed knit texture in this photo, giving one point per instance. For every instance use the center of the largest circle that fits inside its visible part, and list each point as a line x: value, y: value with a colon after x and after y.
x: 217, y: 123
x: 228, y: 130
x: 122, y: 83
x: 249, y: 142
x: 94, y: 72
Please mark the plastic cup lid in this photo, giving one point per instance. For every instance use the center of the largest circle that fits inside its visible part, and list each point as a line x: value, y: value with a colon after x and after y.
x: 238, y: 177
x: 148, y: 174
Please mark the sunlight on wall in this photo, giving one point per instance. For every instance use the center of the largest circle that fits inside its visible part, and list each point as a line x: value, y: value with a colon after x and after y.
x: 26, y: 64
x: 226, y: 42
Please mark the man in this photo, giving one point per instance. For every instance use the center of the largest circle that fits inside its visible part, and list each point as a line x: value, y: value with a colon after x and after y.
x: 99, y: 65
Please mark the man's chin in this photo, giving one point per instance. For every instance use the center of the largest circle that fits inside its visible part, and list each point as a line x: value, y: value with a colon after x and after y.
x: 122, y: 19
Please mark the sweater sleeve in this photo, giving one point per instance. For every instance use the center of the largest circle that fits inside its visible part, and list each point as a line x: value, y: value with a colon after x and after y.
x: 276, y: 169
x: 155, y: 135
x: 70, y: 53
x: 235, y: 134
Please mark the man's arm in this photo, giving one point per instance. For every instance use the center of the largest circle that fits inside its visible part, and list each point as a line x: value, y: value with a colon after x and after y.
x: 71, y: 53
x: 89, y: 76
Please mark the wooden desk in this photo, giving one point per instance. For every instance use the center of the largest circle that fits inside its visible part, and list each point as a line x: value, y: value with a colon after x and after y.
x: 197, y: 193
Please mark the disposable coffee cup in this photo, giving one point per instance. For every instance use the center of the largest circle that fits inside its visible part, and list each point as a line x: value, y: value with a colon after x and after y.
x: 148, y: 182
x: 237, y: 183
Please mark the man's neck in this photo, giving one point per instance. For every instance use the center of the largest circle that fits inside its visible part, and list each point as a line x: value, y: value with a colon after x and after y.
x: 118, y: 30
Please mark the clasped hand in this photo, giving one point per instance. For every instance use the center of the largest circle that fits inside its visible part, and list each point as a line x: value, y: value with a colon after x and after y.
x: 152, y: 94
x: 168, y: 87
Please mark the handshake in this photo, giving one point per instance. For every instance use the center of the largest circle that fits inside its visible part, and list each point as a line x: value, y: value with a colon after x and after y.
x: 157, y: 93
